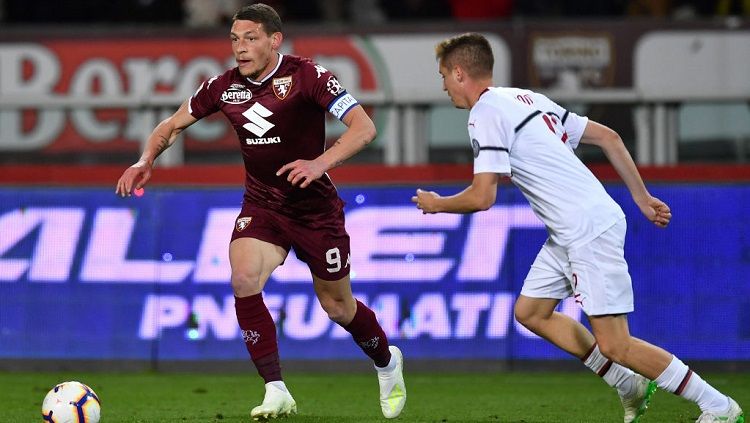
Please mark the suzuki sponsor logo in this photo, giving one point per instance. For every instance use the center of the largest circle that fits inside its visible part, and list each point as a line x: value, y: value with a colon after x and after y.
x: 257, y: 115
x: 263, y: 141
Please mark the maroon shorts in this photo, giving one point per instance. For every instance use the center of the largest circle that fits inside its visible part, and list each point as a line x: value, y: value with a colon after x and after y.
x: 321, y: 240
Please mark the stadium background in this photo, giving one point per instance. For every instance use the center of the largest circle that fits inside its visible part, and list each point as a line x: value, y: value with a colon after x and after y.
x: 143, y: 282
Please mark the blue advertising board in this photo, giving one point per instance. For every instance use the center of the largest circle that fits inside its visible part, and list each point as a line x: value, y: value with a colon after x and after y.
x: 85, y: 274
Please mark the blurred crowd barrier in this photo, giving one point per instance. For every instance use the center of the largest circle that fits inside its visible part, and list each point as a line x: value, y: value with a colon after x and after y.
x: 677, y: 92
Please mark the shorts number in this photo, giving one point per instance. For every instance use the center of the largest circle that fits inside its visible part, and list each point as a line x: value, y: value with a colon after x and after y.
x: 333, y: 257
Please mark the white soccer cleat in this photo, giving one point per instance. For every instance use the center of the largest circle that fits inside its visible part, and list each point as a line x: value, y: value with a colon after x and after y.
x: 733, y: 415
x: 276, y: 403
x: 636, y: 405
x: 392, y: 387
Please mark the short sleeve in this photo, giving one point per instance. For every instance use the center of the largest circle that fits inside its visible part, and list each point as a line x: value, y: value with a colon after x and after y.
x: 326, y: 90
x: 205, y: 100
x: 574, y: 127
x: 490, y: 141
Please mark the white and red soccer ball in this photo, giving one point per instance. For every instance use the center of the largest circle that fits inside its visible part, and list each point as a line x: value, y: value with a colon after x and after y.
x: 71, y: 402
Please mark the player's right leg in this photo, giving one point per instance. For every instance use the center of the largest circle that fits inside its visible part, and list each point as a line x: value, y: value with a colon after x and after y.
x: 546, y: 284
x: 669, y: 373
x: 252, y: 261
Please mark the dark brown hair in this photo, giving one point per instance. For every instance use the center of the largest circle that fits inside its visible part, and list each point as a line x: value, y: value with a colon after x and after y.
x: 260, y: 13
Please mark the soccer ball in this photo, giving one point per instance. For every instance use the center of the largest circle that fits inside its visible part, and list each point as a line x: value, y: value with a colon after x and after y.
x: 71, y: 402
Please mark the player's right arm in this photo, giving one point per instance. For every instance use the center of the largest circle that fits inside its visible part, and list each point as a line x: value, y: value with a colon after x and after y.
x: 162, y: 137
x: 478, y: 196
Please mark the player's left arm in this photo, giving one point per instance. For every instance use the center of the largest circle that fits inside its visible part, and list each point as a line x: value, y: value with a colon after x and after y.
x: 610, y: 142
x: 360, y: 132
x: 478, y: 196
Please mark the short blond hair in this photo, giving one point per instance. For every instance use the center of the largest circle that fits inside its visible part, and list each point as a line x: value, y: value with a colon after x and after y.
x: 471, y: 51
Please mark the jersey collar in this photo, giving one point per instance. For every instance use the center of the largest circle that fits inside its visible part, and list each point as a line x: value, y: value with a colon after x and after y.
x: 278, y: 65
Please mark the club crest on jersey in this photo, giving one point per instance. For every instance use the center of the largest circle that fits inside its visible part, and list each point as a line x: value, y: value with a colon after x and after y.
x: 282, y: 86
x: 243, y: 223
x: 236, y: 94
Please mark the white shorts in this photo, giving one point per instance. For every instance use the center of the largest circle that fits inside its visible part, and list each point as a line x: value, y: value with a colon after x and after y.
x: 595, y: 274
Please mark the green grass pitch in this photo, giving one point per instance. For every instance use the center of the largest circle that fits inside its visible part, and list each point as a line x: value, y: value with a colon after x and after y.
x: 512, y: 397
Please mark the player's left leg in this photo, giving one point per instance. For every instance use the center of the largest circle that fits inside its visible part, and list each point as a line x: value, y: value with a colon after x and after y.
x: 337, y: 300
x: 669, y: 373
x: 539, y: 316
x: 546, y: 284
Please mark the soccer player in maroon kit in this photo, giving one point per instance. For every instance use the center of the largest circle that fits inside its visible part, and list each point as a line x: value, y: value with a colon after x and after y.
x: 277, y: 105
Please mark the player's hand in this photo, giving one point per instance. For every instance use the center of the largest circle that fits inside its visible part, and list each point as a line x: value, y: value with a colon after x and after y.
x: 302, y: 172
x: 656, y: 211
x: 134, y: 177
x: 426, y: 201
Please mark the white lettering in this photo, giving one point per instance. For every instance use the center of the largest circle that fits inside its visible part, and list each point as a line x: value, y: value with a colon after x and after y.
x: 304, y: 319
x: 44, y: 68
x: 86, y: 121
x: 388, y: 309
x: 366, y: 226
x: 161, y: 312
x: 212, y: 263
x: 469, y: 307
x: 55, y: 247
x: 342, y: 105
x: 500, y: 316
x: 143, y: 76
x: 198, y: 70
x: 258, y: 125
x: 105, y: 257
x: 487, y: 240
x: 222, y: 321
x: 296, y: 326
x: 262, y: 141
x: 15, y: 59
x: 429, y: 316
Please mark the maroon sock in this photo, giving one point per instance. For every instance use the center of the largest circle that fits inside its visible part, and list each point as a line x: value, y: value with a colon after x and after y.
x: 368, y: 334
x: 259, y: 334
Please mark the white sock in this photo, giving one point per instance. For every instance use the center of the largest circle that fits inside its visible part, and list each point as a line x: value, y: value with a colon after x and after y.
x: 616, y: 376
x: 278, y: 384
x: 680, y: 380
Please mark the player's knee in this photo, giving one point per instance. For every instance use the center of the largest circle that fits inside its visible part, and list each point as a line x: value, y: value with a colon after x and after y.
x: 615, y: 350
x: 527, y: 316
x: 336, y: 310
x: 246, y: 283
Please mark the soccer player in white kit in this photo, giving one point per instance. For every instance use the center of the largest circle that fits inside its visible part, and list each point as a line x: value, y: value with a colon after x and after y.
x: 526, y: 136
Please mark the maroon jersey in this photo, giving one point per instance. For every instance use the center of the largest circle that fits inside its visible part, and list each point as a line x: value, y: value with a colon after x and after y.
x: 278, y: 120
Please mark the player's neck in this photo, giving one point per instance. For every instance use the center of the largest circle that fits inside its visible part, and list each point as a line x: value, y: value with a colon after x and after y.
x: 477, y: 89
x: 272, y: 64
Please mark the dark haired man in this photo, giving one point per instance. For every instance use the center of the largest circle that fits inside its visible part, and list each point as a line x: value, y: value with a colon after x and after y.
x: 277, y: 105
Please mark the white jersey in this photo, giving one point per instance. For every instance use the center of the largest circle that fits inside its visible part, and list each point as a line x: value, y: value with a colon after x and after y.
x: 527, y: 136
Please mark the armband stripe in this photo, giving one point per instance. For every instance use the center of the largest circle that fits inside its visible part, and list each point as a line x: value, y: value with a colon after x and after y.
x: 340, y: 105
